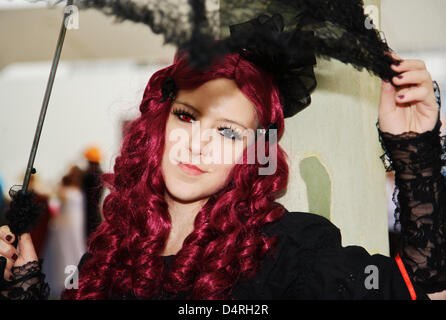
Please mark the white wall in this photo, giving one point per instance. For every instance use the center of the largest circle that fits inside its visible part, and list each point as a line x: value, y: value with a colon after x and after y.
x: 87, y: 104
x: 20, y: 4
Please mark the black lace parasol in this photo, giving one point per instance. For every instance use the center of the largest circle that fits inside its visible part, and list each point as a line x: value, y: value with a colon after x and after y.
x: 283, y: 36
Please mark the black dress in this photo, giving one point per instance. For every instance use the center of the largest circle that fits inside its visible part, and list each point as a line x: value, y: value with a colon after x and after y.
x: 309, y: 261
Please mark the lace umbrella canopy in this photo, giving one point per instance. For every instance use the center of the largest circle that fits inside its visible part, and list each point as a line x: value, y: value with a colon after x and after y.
x: 283, y: 37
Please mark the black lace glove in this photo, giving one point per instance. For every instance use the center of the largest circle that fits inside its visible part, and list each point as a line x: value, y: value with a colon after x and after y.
x: 28, y: 284
x: 421, y: 208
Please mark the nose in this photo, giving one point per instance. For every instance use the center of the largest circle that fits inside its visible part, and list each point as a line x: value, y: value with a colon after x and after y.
x: 197, y: 142
x: 204, y: 143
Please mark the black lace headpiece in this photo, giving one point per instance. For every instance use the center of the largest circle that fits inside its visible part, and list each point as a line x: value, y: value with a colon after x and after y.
x: 272, y: 49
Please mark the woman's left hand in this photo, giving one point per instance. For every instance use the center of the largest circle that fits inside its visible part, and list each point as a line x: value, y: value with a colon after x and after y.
x: 410, y: 105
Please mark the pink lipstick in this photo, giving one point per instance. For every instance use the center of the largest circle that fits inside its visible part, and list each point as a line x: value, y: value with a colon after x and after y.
x: 190, y: 169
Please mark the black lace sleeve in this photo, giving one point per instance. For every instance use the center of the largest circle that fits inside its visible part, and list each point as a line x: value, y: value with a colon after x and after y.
x: 28, y: 284
x: 421, y: 207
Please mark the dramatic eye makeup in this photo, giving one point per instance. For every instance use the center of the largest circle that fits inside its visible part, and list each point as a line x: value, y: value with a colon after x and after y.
x: 230, y: 132
x: 226, y: 130
x: 183, y: 114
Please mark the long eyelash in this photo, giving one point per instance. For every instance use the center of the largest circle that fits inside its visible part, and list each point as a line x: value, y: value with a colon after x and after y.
x: 237, y: 135
x: 179, y: 111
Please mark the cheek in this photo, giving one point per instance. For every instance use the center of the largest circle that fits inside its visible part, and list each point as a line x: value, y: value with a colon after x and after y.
x: 220, y: 175
x: 175, y: 142
x: 223, y: 151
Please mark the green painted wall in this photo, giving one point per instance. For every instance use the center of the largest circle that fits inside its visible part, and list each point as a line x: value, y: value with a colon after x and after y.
x: 318, y: 185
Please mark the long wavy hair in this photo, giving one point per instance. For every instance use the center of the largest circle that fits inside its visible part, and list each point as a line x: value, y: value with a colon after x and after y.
x: 228, y: 241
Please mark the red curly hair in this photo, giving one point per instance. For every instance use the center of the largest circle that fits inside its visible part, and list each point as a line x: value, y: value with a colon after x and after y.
x: 227, y: 243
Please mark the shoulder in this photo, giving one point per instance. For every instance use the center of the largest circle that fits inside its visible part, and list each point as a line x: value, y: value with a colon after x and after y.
x: 311, y: 263
x: 300, y: 238
x: 305, y: 229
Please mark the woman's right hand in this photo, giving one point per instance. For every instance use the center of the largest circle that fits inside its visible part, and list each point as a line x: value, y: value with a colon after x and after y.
x: 24, y: 253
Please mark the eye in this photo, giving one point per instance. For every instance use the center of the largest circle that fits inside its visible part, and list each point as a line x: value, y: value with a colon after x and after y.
x: 184, y: 115
x: 229, y: 133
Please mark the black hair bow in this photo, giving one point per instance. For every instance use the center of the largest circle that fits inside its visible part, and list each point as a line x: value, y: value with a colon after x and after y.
x: 288, y: 55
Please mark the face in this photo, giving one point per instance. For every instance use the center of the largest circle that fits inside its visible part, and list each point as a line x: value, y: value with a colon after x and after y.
x: 206, y: 133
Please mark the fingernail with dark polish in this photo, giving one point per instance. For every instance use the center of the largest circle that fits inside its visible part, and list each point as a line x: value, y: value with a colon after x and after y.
x: 401, y: 96
x: 14, y: 257
x: 8, y: 238
x: 400, y: 77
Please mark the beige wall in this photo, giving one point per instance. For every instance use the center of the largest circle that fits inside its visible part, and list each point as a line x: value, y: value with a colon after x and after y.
x: 31, y: 35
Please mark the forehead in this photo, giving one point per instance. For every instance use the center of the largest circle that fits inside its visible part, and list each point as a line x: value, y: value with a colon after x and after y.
x: 221, y: 98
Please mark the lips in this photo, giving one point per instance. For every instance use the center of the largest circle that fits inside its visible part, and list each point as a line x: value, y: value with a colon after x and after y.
x: 190, y: 169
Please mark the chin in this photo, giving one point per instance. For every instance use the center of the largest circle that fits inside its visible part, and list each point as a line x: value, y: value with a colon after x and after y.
x: 183, y: 195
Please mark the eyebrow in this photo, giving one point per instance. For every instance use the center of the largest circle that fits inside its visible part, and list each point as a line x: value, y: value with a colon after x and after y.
x: 198, y: 111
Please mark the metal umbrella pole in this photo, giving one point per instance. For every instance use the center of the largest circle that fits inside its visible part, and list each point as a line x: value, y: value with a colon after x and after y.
x: 30, y: 169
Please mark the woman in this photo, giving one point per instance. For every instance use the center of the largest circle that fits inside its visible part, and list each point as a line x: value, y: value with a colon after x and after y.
x: 214, y: 231
x: 67, y: 240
